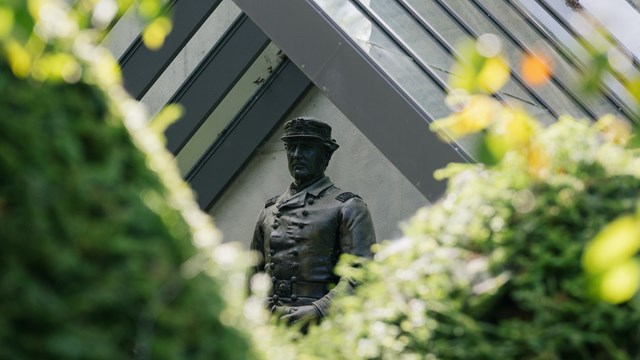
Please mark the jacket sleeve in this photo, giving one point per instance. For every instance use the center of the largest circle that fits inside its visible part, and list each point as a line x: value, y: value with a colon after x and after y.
x: 356, y: 229
x: 257, y: 249
x: 357, y: 235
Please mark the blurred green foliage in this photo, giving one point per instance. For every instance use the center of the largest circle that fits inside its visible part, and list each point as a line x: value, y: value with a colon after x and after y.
x: 105, y: 253
x: 107, y: 256
x: 493, y: 270
x: 530, y: 254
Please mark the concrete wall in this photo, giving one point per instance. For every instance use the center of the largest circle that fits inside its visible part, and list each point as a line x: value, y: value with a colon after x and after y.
x: 357, y: 166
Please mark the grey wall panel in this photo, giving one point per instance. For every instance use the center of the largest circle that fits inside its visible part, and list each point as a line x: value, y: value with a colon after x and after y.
x: 141, y: 67
x: 214, y: 77
x: 217, y: 168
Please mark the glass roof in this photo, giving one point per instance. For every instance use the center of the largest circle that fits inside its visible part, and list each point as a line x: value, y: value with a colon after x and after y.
x: 413, y: 43
x: 593, y: 25
x: 381, y: 34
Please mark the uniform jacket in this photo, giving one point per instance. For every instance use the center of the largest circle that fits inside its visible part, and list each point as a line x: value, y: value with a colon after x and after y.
x: 301, y: 236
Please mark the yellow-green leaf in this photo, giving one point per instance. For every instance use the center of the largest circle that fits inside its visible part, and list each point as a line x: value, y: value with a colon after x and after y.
x: 620, y: 283
x: 149, y: 9
x: 450, y: 170
x: 167, y: 116
x: 154, y: 34
x: 19, y: 59
x: 616, y: 243
x: 513, y: 130
x: 475, y: 116
x: 6, y: 21
x: 494, y: 74
x: 59, y: 66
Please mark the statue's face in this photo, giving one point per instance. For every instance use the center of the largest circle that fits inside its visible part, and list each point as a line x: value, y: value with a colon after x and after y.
x: 306, y: 159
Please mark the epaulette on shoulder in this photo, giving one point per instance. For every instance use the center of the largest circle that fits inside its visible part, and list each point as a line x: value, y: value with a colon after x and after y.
x: 346, y: 196
x: 270, y: 202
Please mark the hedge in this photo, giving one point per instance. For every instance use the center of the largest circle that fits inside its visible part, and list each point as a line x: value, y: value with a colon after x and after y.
x: 105, y: 254
x: 494, y: 269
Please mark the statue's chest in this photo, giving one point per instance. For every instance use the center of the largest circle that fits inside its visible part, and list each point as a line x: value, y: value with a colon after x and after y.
x: 313, y: 227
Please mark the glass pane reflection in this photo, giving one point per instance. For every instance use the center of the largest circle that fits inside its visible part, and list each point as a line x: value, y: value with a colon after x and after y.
x: 569, y: 27
x: 386, y: 53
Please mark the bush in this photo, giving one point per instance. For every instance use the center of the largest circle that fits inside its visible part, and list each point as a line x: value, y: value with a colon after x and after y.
x: 99, y: 234
x: 530, y: 254
x: 494, y: 269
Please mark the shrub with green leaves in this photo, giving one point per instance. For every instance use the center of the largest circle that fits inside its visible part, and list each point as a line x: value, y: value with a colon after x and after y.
x: 530, y: 254
x: 494, y: 269
x: 105, y: 253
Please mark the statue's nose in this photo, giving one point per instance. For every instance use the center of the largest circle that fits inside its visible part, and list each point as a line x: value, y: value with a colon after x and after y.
x: 297, y: 153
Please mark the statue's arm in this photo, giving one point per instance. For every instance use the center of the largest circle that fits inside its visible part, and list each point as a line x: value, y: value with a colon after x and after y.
x: 356, y: 229
x: 257, y: 247
x: 356, y: 237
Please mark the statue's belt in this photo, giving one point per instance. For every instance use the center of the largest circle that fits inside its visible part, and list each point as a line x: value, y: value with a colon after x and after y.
x: 293, y: 289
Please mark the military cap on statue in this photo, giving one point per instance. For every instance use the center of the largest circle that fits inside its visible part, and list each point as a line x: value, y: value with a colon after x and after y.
x: 311, y: 128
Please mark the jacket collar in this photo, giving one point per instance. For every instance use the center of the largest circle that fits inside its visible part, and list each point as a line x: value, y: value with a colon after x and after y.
x: 319, y: 186
x: 298, y: 199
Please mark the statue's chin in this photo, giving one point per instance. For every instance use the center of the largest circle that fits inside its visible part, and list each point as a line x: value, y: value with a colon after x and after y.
x: 299, y: 179
x: 300, y: 173
x: 304, y: 178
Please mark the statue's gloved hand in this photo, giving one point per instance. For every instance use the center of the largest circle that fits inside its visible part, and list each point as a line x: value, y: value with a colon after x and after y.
x: 301, y: 314
x: 279, y: 310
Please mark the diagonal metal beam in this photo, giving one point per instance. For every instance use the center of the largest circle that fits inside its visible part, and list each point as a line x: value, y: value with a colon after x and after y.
x: 214, y: 77
x: 384, y: 113
x: 250, y: 128
x: 141, y: 67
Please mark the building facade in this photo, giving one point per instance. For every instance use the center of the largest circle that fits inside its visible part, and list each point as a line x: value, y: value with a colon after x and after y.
x: 375, y: 70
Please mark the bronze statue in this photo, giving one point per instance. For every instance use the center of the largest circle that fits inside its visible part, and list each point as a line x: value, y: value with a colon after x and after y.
x: 301, y: 233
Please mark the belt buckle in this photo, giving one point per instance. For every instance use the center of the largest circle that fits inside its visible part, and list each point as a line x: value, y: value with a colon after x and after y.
x: 283, y: 288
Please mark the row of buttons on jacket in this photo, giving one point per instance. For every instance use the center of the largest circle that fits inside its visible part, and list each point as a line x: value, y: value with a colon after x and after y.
x: 272, y: 266
x: 276, y: 224
x: 304, y: 213
x: 293, y: 253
